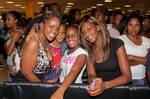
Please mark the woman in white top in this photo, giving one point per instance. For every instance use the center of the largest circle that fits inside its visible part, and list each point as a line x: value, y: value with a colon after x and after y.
x: 137, y: 48
x: 15, y: 33
x: 72, y: 63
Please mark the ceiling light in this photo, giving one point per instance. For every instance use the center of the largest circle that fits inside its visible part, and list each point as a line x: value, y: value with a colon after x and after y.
x: 84, y: 10
x: 10, y: 2
x: 89, y: 9
x: 107, y: 0
x: 147, y: 14
x: 1, y: 7
x: 130, y: 10
x: 110, y: 9
x: 70, y: 3
x: 123, y: 12
x: 93, y: 7
x: 99, y: 4
x: 17, y: 5
x: 68, y: 6
x: 117, y: 8
x: 127, y: 6
x: 23, y: 7
x: 40, y: 2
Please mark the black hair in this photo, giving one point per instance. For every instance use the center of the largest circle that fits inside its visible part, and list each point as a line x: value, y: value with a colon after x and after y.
x: 55, y: 6
x: 45, y: 8
x: 115, y: 13
x: 38, y: 19
x: 17, y: 16
x: 64, y: 18
x: 102, y: 9
x: 49, y: 14
x: 122, y: 25
x: 71, y: 18
x: 135, y: 16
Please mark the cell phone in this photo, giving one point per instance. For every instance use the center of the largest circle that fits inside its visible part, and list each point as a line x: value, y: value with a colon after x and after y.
x: 93, y: 84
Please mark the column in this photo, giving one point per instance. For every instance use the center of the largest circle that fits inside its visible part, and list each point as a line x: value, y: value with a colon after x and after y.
x: 29, y: 8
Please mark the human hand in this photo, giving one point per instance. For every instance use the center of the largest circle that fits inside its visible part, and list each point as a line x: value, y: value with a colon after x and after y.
x: 13, y: 71
x: 96, y: 87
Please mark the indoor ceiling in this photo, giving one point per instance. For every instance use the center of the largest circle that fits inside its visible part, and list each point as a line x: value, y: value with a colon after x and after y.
x: 84, y: 5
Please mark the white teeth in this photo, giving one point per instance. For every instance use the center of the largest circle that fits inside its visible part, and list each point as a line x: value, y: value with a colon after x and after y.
x: 51, y: 34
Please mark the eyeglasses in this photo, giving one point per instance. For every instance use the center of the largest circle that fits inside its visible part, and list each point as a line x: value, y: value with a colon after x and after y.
x: 71, y: 36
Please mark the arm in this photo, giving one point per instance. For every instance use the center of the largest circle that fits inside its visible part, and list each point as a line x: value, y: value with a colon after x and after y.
x: 28, y: 61
x: 125, y: 76
x: 134, y: 60
x: 90, y: 69
x: 97, y: 88
x: 9, y: 48
x: 70, y: 78
x: 148, y: 75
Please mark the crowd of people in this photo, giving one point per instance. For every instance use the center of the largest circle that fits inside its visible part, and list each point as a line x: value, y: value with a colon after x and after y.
x: 108, y: 50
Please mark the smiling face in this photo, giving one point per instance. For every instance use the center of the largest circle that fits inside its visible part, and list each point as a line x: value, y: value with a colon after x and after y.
x: 133, y: 26
x: 51, y: 28
x: 61, y: 34
x: 90, y: 31
x: 72, y: 37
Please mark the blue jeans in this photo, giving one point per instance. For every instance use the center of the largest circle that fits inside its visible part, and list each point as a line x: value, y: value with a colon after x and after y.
x: 137, y: 82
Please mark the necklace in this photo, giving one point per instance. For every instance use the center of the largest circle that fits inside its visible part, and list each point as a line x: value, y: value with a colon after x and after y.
x: 44, y: 43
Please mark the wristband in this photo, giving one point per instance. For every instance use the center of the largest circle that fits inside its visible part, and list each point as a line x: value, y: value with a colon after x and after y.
x: 106, y: 85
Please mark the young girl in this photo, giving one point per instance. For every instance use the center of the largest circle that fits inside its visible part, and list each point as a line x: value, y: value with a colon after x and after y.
x: 72, y: 63
x: 15, y: 34
x: 55, y: 47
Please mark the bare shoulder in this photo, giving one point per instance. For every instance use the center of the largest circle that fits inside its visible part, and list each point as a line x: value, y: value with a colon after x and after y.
x: 32, y: 35
x: 32, y: 43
